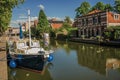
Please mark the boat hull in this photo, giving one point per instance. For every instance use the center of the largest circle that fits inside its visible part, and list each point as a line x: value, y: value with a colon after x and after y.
x: 30, y: 62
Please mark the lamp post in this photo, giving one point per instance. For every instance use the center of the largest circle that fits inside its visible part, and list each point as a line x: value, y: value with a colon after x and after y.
x: 29, y: 27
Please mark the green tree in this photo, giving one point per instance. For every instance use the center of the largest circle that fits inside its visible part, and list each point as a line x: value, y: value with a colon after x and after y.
x: 99, y: 6
x: 117, y: 6
x: 68, y: 20
x: 83, y: 9
x: 33, y: 31
x: 6, y: 7
x: 67, y: 28
x: 108, y: 7
x: 43, y: 24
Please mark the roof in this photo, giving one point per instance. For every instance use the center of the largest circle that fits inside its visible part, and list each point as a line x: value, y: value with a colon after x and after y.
x: 111, y: 18
x: 94, y: 11
x: 56, y: 25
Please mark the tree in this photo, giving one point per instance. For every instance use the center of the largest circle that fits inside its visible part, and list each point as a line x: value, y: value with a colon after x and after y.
x: 43, y: 24
x: 67, y: 28
x: 68, y: 20
x: 43, y: 28
x: 83, y: 9
x: 6, y: 7
x: 99, y: 6
x: 108, y: 7
x: 117, y: 6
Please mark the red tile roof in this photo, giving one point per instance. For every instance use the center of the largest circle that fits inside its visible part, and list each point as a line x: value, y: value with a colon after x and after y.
x: 94, y: 11
x: 111, y: 18
x: 56, y: 25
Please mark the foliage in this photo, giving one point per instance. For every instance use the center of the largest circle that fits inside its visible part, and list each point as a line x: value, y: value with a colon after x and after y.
x: 117, y: 6
x: 99, y: 6
x: 33, y: 31
x: 107, y: 34
x: 112, y: 32
x: 6, y: 7
x: 43, y: 24
x: 83, y: 9
x: 113, y: 27
x: 108, y: 7
x: 117, y: 34
x: 67, y: 20
x: 67, y: 27
x: 25, y: 33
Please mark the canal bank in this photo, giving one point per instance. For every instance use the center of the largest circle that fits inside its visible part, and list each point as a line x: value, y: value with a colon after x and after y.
x: 3, y: 59
x: 97, y: 42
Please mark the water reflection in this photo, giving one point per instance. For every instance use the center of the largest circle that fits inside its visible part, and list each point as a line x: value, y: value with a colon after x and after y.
x: 25, y: 74
x: 77, y: 61
x: 93, y: 57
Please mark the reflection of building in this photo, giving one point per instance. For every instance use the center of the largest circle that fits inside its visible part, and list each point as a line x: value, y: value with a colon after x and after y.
x: 112, y: 63
x: 95, y: 22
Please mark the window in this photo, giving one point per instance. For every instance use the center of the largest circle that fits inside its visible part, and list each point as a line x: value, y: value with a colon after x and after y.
x: 86, y: 21
x: 116, y: 16
x: 94, y: 20
x: 83, y: 22
x: 99, y: 19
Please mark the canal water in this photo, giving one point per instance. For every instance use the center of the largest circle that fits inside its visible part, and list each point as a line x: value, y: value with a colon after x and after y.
x: 75, y: 61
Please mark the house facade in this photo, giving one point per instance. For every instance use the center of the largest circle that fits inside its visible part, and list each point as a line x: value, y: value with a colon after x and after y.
x: 95, y: 23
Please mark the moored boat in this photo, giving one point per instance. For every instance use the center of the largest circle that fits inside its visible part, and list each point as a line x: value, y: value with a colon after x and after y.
x: 20, y: 54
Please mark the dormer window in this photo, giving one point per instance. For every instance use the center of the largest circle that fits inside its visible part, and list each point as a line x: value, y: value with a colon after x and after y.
x: 116, y: 16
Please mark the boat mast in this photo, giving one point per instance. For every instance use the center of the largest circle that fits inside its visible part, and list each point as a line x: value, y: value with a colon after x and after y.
x: 29, y: 27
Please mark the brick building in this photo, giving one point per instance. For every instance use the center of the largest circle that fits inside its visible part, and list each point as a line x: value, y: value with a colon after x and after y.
x: 95, y: 23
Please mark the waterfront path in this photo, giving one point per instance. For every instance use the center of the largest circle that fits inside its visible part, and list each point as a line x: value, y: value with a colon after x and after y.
x: 102, y: 43
x: 3, y: 59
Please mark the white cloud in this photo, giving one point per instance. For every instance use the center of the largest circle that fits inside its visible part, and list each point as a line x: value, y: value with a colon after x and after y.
x: 14, y: 23
x: 41, y: 6
x: 34, y: 18
x: 58, y: 18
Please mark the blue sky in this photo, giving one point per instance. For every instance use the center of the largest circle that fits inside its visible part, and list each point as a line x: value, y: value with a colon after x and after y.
x: 52, y: 8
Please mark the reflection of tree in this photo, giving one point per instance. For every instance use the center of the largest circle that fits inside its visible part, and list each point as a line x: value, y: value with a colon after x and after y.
x: 62, y: 44
x: 92, y: 56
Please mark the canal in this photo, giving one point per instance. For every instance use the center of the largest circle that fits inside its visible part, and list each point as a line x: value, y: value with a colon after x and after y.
x: 75, y: 61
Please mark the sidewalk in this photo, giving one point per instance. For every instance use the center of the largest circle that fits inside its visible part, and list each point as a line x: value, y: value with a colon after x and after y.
x: 3, y: 60
x: 102, y: 43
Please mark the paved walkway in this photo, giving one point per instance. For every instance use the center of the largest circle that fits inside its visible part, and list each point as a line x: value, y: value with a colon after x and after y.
x: 102, y: 43
x: 3, y: 59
